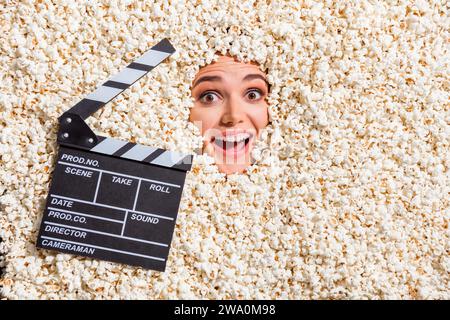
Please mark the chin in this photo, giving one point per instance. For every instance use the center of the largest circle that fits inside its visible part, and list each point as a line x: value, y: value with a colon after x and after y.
x: 232, y: 168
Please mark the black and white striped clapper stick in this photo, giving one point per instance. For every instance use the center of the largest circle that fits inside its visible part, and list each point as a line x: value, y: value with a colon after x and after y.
x: 108, y: 91
x: 123, y: 80
x: 110, y: 199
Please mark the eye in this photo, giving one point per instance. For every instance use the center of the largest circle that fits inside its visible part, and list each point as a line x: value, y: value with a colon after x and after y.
x: 209, y: 97
x: 254, y: 94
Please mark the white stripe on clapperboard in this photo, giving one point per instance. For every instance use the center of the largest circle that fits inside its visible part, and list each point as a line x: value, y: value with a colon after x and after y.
x: 138, y: 152
x: 152, y: 57
x: 109, y: 146
x: 104, y: 94
x: 118, y: 174
x: 103, y: 248
x: 128, y: 75
x: 111, y: 207
x: 108, y: 234
x: 166, y: 158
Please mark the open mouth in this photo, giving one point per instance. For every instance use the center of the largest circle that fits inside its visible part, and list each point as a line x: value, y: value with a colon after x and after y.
x: 232, y: 144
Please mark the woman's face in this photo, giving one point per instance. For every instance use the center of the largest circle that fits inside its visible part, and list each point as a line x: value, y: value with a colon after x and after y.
x: 230, y: 109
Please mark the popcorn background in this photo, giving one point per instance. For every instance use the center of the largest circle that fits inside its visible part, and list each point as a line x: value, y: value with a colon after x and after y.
x: 348, y: 198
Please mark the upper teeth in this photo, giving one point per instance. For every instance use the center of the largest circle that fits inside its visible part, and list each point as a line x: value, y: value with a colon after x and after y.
x: 236, y: 138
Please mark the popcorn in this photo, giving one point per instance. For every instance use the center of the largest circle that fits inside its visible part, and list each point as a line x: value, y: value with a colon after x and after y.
x: 347, y: 195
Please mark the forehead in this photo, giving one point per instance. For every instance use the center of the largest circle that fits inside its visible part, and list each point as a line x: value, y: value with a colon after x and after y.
x: 226, y: 64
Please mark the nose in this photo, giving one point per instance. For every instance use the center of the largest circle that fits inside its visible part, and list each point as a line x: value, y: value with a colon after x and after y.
x: 233, y: 113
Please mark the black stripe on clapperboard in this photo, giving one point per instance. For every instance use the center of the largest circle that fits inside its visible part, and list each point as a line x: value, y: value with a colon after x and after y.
x: 117, y: 85
x: 139, y: 66
x: 154, y: 155
x: 124, y: 149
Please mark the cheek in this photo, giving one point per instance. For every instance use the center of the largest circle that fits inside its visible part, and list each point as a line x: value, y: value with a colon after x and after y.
x: 260, y: 116
x: 204, y: 118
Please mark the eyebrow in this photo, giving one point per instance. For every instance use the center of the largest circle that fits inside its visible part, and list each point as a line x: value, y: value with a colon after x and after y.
x: 256, y: 76
x: 206, y: 78
x: 219, y: 78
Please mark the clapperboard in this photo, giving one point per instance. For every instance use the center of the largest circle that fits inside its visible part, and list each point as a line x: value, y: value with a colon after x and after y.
x: 110, y: 199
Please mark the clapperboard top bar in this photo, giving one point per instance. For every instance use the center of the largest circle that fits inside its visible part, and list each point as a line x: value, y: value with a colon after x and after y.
x: 74, y: 131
